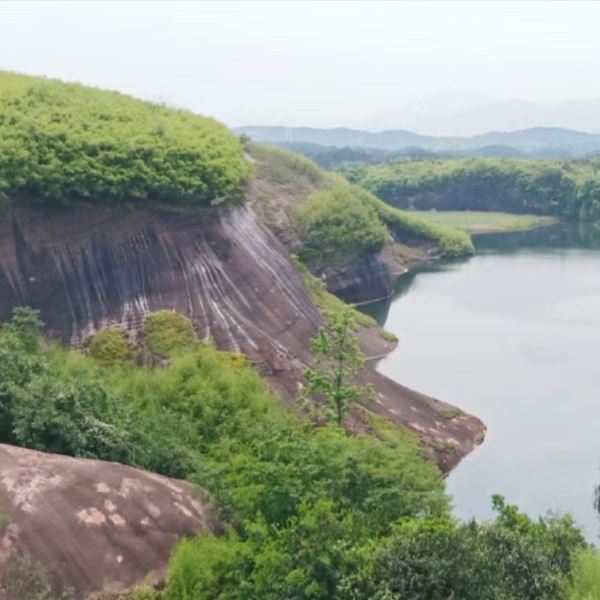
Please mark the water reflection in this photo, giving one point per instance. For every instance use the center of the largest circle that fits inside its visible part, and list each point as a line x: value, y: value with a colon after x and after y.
x: 557, y: 237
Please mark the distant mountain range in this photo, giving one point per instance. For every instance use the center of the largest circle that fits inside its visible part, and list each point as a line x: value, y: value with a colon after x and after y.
x: 536, y: 142
x: 459, y: 114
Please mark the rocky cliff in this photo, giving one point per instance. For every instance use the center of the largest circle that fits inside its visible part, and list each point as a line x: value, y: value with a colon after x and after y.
x: 87, y: 267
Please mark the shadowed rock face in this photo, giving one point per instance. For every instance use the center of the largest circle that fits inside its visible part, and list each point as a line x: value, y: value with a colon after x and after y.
x: 365, y: 280
x: 89, y: 267
x: 92, y: 523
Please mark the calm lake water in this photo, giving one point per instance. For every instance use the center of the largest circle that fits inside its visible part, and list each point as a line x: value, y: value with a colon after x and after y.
x: 512, y: 335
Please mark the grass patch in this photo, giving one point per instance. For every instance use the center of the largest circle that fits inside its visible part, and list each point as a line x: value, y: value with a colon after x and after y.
x: 473, y: 221
x: 449, y: 413
x: 388, y: 336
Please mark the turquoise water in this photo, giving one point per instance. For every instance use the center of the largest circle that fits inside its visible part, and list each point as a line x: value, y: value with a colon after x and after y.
x: 512, y: 335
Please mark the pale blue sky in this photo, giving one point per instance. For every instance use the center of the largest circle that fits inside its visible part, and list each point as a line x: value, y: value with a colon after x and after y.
x: 317, y: 63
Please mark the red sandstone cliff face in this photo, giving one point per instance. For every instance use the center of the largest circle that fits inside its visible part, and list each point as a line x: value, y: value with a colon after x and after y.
x: 86, y: 268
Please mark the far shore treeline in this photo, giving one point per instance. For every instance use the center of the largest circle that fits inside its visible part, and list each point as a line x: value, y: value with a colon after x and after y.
x: 564, y: 188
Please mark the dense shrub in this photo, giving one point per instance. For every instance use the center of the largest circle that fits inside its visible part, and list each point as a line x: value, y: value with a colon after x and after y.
x: 166, y: 332
x: 61, y: 142
x: 336, y: 227
x: 110, y: 346
x: 513, y: 558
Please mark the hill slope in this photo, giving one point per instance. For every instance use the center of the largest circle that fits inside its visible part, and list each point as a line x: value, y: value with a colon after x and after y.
x: 94, y: 263
x: 60, y: 142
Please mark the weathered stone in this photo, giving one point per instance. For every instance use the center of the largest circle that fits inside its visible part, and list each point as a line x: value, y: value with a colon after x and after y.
x: 92, y: 523
x: 88, y: 267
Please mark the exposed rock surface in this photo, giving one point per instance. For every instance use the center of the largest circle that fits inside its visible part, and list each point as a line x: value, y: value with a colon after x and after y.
x: 486, y: 195
x: 88, y: 267
x: 91, y: 522
x: 366, y: 280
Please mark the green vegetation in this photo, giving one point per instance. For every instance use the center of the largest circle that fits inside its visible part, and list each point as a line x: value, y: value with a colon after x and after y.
x: 342, y: 222
x: 337, y: 227
x: 563, y: 188
x: 339, y: 222
x: 110, y: 346
x: 474, y: 561
x: 449, y: 413
x: 585, y: 579
x: 482, y: 222
x: 451, y: 242
x: 338, y: 361
x: 310, y: 512
x: 167, y: 332
x: 61, y: 142
x: 283, y: 167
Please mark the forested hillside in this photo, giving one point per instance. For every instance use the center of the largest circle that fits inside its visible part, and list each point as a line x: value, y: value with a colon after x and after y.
x: 310, y: 512
x: 61, y: 142
x: 569, y: 189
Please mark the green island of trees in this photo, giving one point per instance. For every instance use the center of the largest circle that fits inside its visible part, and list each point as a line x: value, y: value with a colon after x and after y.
x: 564, y: 188
x: 61, y: 142
x: 310, y: 512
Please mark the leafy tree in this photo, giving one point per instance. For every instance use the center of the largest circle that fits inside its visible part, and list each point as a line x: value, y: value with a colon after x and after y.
x: 336, y: 227
x: 338, y: 361
x: 512, y: 558
x: 26, y: 323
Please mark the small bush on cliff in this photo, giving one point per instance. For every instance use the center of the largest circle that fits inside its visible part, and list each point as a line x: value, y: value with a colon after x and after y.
x: 338, y: 360
x: 282, y: 167
x: 62, y: 142
x: 336, y: 228
x: 167, y: 332
x: 109, y: 347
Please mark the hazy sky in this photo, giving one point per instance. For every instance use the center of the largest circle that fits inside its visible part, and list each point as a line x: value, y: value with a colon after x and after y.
x: 311, y: 63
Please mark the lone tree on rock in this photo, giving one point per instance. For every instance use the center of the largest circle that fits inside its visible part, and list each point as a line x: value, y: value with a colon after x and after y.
x: 338, y: 360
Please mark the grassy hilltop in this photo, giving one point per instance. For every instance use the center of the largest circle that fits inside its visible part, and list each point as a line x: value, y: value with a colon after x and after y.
x: 61, y: 142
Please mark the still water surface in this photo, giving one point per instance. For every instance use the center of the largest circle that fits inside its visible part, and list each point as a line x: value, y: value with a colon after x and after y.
x: 512, y: 335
